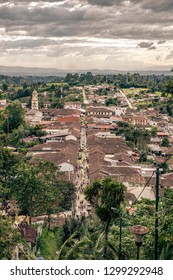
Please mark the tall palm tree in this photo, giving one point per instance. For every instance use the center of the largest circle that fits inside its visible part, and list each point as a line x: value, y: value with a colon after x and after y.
x: 105, y: 196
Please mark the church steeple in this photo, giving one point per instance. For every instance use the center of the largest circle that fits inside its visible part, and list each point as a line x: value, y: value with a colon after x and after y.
x: 34, y: 102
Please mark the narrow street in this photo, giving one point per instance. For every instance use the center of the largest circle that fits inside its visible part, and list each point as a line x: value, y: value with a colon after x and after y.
x: 82, y: 208
x: 84, y: 95
x: 126, y: 99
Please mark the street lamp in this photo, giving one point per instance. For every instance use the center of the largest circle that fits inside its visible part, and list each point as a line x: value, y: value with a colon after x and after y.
x: 139, y: 232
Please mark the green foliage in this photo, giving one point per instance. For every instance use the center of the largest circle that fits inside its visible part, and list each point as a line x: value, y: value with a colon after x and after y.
x: 143, y: 157
x: 154, y: 131
x: 87, y: 243
x: 165, y: 142
x: 112, y: 101
x: 164, y: 166
x: 8, y: 166
x: 85, y: 239
x: 4, y: 87
x: 105, y: 195
x: 14, y: 116
x: 49, y: 243
x: 138, y: 138
x: 40, y: 189
x: 9, y: 238
x: 169, y: 88
x: 37, y: 130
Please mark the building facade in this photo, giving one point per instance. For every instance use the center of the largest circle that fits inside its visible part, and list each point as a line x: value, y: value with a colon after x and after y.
x: 34, y: 101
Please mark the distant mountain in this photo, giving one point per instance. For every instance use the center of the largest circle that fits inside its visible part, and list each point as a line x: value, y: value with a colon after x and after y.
x: 31, y: 71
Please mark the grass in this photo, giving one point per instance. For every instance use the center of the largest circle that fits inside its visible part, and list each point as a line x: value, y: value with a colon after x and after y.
x: 143, y: 104
x: 158, y: 93
x: 133, y: 91
x: 170, y: 161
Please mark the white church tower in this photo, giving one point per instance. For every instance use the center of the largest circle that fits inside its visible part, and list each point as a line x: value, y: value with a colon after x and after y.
x: 34, y: 101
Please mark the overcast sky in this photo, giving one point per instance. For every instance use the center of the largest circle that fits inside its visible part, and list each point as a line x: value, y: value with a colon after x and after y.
x: 87, y: 34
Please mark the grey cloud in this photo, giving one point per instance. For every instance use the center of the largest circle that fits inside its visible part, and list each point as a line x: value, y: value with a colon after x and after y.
x: 161, y: 42
x: 145, y: 44
x: 108, y: 22
x: 159, y: 6
x: 152, y: 48
x: 104, y: 2
x: 26, y: 43
x: 169, y: 56
x: 158, y: 57
x: 29, y: 1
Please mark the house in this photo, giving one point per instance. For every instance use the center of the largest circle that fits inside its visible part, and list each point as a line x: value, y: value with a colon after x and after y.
x: 63, y: 154
x: 56, y: 137
x: 28, y: 233
x: 109, y: 155
x: 52, y: 114
x: 103, y: 127
x: 99, y: 111
x: 165, y: 182
x: 72, y: 105
x: 69, y: 147
x: 153, y: 97
x: 137, y: 120
x: 155, y: 149
x: 66, y: 161
x: 63, y: 131
x: 118, y: 111
x: 162, y: 134
x: 68, y: 119
x: 55, y: 129
x: 34, y: 116
x: 3, y: 103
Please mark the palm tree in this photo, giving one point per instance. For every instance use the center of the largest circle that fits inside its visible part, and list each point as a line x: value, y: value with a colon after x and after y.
x: 90, y: 246
x: 166, y: 253
x: 105, y: 196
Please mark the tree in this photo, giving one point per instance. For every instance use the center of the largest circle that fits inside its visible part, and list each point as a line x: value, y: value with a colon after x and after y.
x: 86, y: 242
x: 9, y: 238
x: 8, y: 166
x: 154, y: 131
x: 169, y: 88
x: 37, y: 130
x: 165, y: 142
x: 4, y: 87
x: 14, y: 116
x: 39, y: 189
x: 106, y: 196
x: 112, y: 101
x: 164, y: 166
x: 143, y: 156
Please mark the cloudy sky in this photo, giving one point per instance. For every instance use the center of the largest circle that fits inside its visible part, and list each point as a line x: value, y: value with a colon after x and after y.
x: 87, y: 34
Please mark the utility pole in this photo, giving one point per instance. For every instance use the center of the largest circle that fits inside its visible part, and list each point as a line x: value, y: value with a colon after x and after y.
x: 156, y: 214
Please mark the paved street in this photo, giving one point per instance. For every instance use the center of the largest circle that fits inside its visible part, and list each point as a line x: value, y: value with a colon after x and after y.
x: 84, y: 96
x: 81, y: 205
x: 126, y: 99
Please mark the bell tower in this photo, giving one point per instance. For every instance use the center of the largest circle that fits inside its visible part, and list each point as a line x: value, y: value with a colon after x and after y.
x: 34, y: 101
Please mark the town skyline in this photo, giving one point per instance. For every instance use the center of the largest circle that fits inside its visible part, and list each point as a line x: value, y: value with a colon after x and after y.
x: 88, y: 34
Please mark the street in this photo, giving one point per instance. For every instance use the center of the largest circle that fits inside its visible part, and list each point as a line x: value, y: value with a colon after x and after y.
x: 81, y: 205
x: 126, y: 99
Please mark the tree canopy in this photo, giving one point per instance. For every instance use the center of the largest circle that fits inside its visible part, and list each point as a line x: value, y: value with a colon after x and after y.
x: 39, y: 189
x: 14, y: 116
x: 105, y: 196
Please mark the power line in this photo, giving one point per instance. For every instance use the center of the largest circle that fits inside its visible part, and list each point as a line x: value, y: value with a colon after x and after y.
x: 142, y: 190
x: 168, y: 158
x: 149, y: 181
